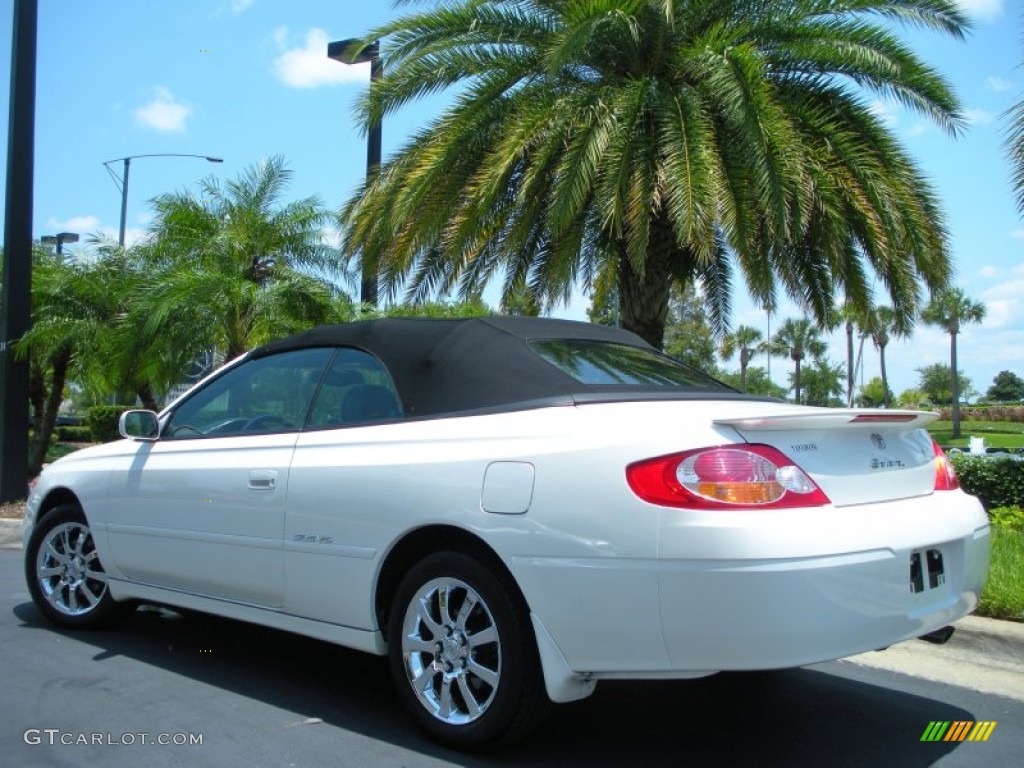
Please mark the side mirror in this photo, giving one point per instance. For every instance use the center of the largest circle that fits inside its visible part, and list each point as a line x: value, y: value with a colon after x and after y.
x: 139, y: 425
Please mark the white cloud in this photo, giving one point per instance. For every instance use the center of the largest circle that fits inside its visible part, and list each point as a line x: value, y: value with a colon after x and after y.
x: 989, y: 271
x: 982, y: 10
x: 309, y: 67
x: 1004, y: 306
x: 1018, y: 234
x: 83, y: 225
x: 978, y: 116
x: 885, y: 112
x: 999, y: 313
x: 994, y: 83
x: 164, y: 112
x: 230, y: 8
x: 916, y: 129
x: 87, y: 226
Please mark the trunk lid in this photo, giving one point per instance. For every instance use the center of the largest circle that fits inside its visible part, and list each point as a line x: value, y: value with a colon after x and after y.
x: 855, y: 456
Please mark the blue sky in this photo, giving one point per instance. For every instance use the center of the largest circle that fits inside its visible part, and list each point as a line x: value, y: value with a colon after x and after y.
x: 246, y: 79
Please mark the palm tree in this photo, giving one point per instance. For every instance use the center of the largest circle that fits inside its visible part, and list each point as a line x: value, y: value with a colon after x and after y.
x: 950, y: 309
x: 747, y: 341
x: 1015, y: 147
x: 854, y: 318
x: 823, y: 382
x: 660, y: 141
x: 799, y: 339
x: 235, y: 266
x: 74, y: 306
x: 882, y: 325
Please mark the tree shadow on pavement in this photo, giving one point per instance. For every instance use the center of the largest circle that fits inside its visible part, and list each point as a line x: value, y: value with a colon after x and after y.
x: 802, y: 717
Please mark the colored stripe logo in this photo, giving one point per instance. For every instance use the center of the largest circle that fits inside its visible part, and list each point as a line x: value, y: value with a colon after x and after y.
x: 958, y: 730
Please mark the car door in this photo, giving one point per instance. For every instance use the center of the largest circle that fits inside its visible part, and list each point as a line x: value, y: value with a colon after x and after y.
x: 332, y: 530
x: 202, y: 508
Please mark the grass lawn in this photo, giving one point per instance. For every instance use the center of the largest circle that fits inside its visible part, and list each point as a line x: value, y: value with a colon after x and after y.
x: 1003, y: 597
x: 997, y: 434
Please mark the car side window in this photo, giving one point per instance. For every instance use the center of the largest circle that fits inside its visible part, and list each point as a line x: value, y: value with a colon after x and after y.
x: 268, y: 394
x: 357, y: 389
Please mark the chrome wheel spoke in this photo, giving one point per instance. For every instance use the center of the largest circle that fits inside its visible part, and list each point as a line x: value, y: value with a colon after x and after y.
x: 489, y: 676
x: 99, y: 576
x: 90, y: 596
x: 53, y: 598
x: 465, y: 610
x: 423, y: 613
x: 56, y: 554
x: 422, y: 682
x: 414, y: 644
x: 445, y: 710
x: 484, y: 636
x: 472, y: 705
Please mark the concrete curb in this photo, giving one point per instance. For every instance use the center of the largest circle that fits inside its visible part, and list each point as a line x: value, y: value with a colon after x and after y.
x: 10, y: 534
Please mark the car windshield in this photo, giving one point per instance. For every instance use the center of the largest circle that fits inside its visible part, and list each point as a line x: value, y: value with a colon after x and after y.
x: 600, y: 363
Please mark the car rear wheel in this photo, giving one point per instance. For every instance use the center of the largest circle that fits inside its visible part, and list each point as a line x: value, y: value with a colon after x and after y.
x: 64, y: 573
x: 462, y: 652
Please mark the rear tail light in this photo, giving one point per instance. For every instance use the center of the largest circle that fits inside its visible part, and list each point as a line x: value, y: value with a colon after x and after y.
x: 730, y: 477
x: 945, y: 474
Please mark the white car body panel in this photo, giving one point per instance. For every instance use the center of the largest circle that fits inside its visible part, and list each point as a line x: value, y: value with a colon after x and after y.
x: 617, y: 587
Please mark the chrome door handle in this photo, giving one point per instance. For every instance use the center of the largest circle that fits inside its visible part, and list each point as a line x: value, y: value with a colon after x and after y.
x: 263, y: 479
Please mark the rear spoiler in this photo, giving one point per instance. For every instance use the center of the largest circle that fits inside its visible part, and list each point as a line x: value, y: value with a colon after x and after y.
x: 831, y: 419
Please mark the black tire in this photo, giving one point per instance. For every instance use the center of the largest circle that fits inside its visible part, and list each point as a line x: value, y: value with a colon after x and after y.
x: 64, y: 574
x: 469, y: 674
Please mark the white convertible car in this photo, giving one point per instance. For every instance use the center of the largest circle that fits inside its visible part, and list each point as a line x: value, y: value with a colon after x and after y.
x: 512, y: 509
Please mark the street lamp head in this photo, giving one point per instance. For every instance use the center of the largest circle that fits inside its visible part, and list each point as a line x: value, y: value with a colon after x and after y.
x: 59, y: 238
x: 215, y: 159
x: 353, y: 50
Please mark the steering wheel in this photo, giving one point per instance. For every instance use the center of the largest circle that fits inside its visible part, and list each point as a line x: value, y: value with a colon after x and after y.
x: 181, y: 428
x: 266, y: 419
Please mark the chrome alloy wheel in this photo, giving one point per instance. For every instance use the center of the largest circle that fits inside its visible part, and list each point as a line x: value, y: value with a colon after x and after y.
x: 451, y: 650
x: 68, y: 570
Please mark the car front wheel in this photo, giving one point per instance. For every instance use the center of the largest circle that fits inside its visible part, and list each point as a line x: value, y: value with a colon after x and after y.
x: 64, y: 573
x: 462, y: 652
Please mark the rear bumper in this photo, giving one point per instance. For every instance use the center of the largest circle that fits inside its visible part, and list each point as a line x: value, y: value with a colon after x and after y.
x: 730, y: 593
x: 786, y: 613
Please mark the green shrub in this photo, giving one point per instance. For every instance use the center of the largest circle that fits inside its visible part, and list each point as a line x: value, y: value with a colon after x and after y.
x: 997, y: 481
x: 73, y: 434
x: 1013, y: 413
x: 1007, y: 518
x: 102, y: 421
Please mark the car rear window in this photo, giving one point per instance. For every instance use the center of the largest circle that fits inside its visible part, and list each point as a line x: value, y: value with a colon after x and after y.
x: 607, y: 364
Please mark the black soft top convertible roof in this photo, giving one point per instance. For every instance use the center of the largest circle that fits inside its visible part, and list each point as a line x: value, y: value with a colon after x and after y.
x: 451, y: 365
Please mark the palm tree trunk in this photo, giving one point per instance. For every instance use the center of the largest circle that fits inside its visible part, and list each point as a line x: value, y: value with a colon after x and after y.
x: 885, y: 379
x: 145, y: 393
x: 796, y: 380
x: 44, y: 430
x: 849, y: 364
x: 955, y: 381
x: 744, y: 362
x: 643, y: 299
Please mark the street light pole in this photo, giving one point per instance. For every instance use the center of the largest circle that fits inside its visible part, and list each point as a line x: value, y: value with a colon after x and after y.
x: 342, y: 50
x: 16, y: 293
x: 123, y: 181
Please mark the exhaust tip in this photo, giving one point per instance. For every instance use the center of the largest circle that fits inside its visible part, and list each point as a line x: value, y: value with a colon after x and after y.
x: 939, y: 636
